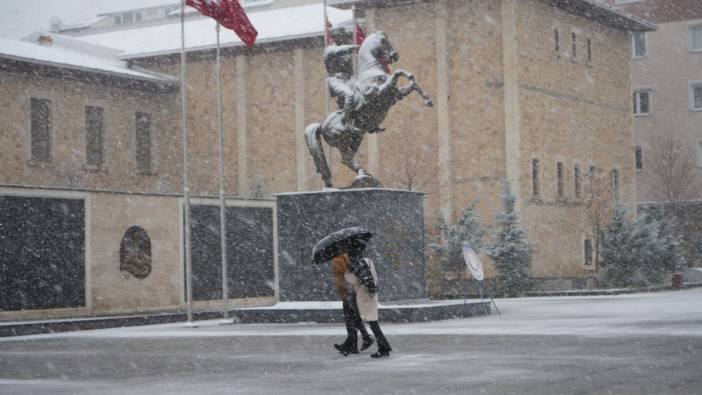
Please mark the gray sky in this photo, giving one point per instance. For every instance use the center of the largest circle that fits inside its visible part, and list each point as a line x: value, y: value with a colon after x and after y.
x: 19, y: 18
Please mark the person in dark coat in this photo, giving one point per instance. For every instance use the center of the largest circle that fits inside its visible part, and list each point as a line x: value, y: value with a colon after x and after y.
x: 352, y: 318
x: 363, y: 278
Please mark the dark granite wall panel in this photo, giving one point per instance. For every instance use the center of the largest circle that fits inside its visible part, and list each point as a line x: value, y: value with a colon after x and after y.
x: 395, y: 217
x: 250, y: 269
x: 42, y: 253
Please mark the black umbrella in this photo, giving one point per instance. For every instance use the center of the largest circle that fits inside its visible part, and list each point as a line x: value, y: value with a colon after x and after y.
x: 339, y: 242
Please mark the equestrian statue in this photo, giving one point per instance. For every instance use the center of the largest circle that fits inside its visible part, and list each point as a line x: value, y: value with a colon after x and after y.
x: 363, y: 101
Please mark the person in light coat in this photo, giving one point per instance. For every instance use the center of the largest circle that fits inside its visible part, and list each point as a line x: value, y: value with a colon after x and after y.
x: 351, y: 317
x: 363, y: 278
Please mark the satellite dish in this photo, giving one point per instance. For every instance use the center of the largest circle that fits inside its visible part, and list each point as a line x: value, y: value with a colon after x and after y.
x: 473, y: 263
x: 55, y: 23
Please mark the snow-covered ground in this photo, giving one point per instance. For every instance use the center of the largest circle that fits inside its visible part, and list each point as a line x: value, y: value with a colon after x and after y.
x: 625, y: 344
x: 663, y: 313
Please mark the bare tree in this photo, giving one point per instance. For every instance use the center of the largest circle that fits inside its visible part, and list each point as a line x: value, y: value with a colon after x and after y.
x: 673, y: 170
x: 600, y: 207
x: 672, y: 167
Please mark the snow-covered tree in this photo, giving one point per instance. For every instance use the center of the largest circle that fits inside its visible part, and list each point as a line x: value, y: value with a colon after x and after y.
x: 511, y: 250
x: 636, y: 253
x: 448, y: 248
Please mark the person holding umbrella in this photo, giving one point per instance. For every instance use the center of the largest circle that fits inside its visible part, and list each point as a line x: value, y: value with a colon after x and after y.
x: 349, y: 244
x: 351, y: 317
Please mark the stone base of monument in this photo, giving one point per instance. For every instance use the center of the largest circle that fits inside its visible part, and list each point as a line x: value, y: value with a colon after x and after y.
x: 396, y: 218
x: 330, y: 312
x: 285, y: 312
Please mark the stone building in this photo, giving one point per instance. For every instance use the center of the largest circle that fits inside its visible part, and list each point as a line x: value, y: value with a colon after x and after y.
x: 534, y: 92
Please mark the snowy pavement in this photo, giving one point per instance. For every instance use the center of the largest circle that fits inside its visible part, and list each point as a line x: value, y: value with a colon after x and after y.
x: 625, y: 344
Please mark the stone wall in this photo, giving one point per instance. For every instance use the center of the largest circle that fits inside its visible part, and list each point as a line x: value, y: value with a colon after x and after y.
x: 114, y: 290
x: 574, y: 111
x: 67, y: 168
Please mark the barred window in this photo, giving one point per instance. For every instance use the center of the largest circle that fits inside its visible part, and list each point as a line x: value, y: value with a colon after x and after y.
x: 588, y: 253
x: 143, y: 142
x: 94, y: 118
x: 616, y: 185
x: 560, y: 179
x: 536, y: 189
x: 41, y: 130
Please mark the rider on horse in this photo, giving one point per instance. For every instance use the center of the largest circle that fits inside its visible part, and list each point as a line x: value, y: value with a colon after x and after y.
x: 338, y: 59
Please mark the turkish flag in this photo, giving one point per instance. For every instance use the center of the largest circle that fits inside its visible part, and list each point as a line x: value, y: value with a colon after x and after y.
x: 230, y: 14
x: 328, y: 30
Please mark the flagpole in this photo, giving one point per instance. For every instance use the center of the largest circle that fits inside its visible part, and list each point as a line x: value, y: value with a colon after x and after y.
x: 326, y: 89
x: 222, y: 202
x: 186, y: 173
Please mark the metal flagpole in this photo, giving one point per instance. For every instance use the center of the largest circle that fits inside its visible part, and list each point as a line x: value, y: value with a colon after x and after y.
x: 222, y: 203
x: 186, y: 172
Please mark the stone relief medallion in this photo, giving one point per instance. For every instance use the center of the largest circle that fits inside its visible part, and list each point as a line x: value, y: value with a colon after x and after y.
x: 135, y: 252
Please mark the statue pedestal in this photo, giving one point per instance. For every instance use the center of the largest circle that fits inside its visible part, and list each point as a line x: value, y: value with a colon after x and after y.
x: 396, y: 219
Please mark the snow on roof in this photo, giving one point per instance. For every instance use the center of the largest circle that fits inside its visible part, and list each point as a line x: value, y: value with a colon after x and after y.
x: 273, y: 25
x: 77, y: 58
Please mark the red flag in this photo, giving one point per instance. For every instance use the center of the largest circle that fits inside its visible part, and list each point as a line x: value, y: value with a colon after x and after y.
x: 328, y: 31
x: 360, y: 35
x: 230, y: 14
x: 327, y: 26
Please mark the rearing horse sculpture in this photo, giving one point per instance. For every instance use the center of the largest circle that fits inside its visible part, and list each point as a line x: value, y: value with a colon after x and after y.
x: 376, y: 90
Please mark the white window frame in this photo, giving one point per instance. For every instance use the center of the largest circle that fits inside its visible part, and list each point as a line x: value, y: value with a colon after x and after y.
x: 637, y: 109
x: 633, y: 46
x: 690, y: 26
x: 692, y: 85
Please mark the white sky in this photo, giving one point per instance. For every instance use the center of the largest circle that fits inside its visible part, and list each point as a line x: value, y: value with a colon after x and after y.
x: 19, y: 18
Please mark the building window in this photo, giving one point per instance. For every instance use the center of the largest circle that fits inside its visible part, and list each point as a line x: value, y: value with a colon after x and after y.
x: 615, y: 185
x: 41, y: 130
x: 118, y: 19
x: 535, y: 183
x: 587, y: 252
x: 560, y: 181
x: 696, y: 37
x: 696, y: 96
x: 577, y: 181
x: 638, y: 44
x: 143, y: 142
x: 574, y: 46
x: 557, y: 40
x: 589, y: 50
x: 127, y: 18
x: 639, y: 158
x: 699, y: 153
x: 642, y: 101
x: 94, y: 135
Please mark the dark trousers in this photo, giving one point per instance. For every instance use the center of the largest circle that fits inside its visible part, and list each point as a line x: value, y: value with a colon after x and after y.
x: 383, y: 344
